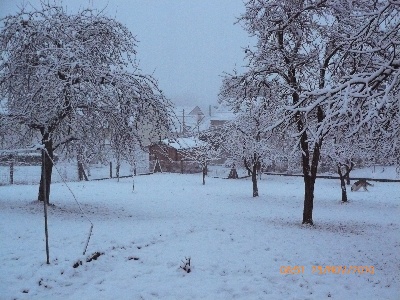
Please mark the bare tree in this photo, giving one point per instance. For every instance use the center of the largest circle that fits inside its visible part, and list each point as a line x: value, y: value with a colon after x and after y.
x: 305, y: 49
x: 292, y: 48
x: 343, y: 153
x: 61, y: 73
x: 247, y: 139
x: 202, y: 149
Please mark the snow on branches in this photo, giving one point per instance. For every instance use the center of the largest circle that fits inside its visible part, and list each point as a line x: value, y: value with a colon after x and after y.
x: 326, y: 65
x: 62, y: 72
x: 363, y: 89
x: 67, y: 76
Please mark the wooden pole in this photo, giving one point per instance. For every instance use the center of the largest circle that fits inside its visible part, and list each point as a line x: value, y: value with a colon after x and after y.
x: 45, y: 206
x: 183, y: 121
x: 110, y: 169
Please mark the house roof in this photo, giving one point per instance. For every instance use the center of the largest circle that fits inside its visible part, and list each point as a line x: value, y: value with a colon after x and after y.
x: 188, y: 110
x: 223, y: 113
x: 184, y: 143
x: 188, y: 118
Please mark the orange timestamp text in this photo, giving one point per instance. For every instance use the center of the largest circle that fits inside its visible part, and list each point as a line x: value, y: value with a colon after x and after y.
x: 321, y: 270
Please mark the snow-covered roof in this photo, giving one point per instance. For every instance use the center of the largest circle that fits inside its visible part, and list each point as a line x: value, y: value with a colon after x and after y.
x: 188, y: 118
x: 223, y: 113
x: 184, y: 143
x: 188, y: 110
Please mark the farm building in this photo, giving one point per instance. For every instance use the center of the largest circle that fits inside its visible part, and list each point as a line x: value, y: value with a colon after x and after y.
x: 176, y: 156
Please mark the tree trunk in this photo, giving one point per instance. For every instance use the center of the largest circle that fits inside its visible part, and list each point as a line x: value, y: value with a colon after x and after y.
x: 204, y: 171
x: 81, y: 169
x: 117, y: 170
x: 347, y: 175
x: 11, y: 169
x: 310, y: 175
x: 80, y: 173
x: 252, y: 170
x: 88, y: 169
x: 309, y: 184
x: 254, y: 180
x: 47, y: 166
x: 79, y: 161
x: 348, y: 179
x: 309, y: 179
x: 343, y: 183
x: 343, y: 187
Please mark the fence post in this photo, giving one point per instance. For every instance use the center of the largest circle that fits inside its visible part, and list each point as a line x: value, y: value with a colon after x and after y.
x: 110, y: 169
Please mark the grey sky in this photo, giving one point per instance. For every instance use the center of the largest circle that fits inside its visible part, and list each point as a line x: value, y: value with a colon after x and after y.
x: 185, y: 44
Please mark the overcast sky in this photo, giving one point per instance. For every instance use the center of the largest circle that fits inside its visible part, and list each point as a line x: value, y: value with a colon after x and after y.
x: 185, y: 44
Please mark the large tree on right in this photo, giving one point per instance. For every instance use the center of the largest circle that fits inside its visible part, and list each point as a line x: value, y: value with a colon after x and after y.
x: 327, y: 64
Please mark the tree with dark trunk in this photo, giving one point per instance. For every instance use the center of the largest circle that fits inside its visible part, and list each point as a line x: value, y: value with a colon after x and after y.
x: 343, y: 175
x: 343, y: 150
x: 280, y: 70
x: 347, y: 177
x: 204, y: 170
x: 251, y: 167
x: 246, y: 139
x: 304, y: 49
x: 67, y: 76
x: 46, y: 171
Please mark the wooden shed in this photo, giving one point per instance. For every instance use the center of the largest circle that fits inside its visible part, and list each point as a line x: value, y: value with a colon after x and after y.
x: 176, y: 156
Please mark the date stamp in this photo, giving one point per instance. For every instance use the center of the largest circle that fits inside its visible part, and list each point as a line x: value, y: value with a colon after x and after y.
x: 323, y: 270
x: 292, y: 270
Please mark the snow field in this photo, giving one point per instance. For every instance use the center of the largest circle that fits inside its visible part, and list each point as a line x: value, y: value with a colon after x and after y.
x: 237, y: 243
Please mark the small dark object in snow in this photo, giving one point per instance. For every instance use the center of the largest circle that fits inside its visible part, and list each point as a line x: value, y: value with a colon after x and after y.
x: 25, y: 291
x: 94, y: 256
x: 133, y: 257
x: 77, y: 264
x: 186, y: 265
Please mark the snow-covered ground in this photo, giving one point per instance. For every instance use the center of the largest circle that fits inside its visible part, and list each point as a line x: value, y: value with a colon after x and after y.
x: 237, y: 243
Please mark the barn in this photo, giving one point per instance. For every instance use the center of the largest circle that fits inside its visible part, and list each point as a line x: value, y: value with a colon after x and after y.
x: 175, y: 155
